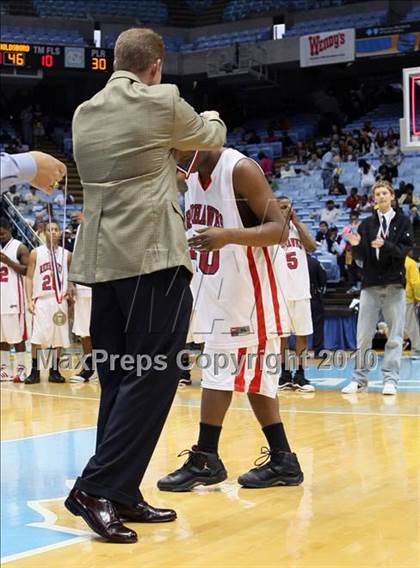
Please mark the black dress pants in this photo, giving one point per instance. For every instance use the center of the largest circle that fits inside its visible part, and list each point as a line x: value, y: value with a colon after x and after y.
x: 145, y: 318
x: 318, y: 316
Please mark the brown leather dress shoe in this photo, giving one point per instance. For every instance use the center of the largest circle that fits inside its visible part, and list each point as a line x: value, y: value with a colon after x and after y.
x: 145, y: 513
x: 100, y: 515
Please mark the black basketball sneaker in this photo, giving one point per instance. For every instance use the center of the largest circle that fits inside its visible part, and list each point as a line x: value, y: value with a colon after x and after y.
x: 33, y: 378
x: 55, y: 377
x: 201, y: 468
x: 273, y: 468
x: 300, y: 382
x: 286, y: 380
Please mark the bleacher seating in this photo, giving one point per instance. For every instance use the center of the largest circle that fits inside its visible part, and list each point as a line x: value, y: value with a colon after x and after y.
x: 240, y: 9
x: 382, y: 117
x: 50, y: 36
x: 361, y: 20
x: 173, y: 43
x: 199, y: 5
x: 150, y: 11
x: 412, y: 15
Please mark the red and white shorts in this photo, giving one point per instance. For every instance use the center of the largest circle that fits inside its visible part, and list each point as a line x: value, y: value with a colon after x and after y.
x: 298, y: 318
x: 248, y: 369
x: 13, y: 328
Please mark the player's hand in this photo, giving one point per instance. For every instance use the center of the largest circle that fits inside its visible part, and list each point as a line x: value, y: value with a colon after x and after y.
x: 208, y: 239
x: 210, y: 114
x: 354, y: 239
x: 5, y: 259
x: 70, y: 295
x: 294, y: 217
x: 49, y: 171
x: 31, y: 307
x: 377, y: 243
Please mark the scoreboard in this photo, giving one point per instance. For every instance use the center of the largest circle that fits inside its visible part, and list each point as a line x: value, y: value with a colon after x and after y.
x: 34, y: 57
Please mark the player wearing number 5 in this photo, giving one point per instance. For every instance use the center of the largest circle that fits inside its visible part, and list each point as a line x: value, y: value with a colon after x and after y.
x: 232, y: 217
x: 292, y: 271
x: 48, y: 294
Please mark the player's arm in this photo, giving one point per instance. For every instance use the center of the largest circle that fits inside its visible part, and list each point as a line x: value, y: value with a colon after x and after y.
x: 250, y: 186
x: 29, y: 281
x: 71, y: 287
x: 23, y: 258
x: 306, y: 238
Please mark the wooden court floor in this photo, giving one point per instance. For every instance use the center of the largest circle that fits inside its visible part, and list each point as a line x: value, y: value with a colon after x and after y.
x: 358, y: 506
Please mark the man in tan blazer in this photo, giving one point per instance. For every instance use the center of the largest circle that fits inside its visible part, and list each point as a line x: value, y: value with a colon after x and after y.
x: 132, y: 250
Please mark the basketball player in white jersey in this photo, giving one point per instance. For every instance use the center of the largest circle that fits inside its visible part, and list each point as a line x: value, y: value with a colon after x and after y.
x: 232, y: 217
x: 47, y: 303
x: 14, y: 258
x: 81, y: 327
x: 292, y: 270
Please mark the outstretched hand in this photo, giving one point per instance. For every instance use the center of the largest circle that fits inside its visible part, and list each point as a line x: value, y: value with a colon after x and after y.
x: 209, y: 239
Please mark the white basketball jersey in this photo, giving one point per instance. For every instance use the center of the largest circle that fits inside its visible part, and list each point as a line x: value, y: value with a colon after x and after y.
x: 291, y: 267
x: 11, y: 283
x: 43, y: 283
x: 235, y: 290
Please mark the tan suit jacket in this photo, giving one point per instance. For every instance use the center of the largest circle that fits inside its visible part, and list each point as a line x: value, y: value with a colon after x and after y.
x: 122, y: 142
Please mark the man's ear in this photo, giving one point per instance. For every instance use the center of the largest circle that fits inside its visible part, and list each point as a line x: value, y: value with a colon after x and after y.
x: 156, y: 67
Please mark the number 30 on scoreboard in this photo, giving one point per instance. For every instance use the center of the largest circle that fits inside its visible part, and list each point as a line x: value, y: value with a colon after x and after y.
x: 98, y: 63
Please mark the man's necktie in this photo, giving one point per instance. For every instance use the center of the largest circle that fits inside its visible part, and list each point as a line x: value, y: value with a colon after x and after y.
x: 384, y: 227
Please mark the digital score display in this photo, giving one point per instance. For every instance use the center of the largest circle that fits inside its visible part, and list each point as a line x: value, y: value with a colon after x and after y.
x: 27, y: 56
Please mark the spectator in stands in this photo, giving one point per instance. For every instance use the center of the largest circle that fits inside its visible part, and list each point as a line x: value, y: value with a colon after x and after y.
x: 271, y: 137
x: 365, y: 205
x: 337, y: 188
x: 321, y: 236
x: 314, y: 163
x: 60, y: 199
x: 16, y: 200
x: 392, y: 157
x: 335, y: 246
x: 379, y: 140
x: 412, y: 292
x: 251, y: 137
x: 302, y: 153
x: 41, y: 231
x: 391, y: 135
x: 328, y: 167
x: 266, y: 163
x: 39, y: 132
x: 349, y: 263
x: 11, y: 192
x: 384, y: 172
x: 32, y: 197
x: 414, y: 215
x: 408, y: 197
x: 287, y: 171
x: 400, y: 190
x: 365, y: 141
x: 353, y: 199
x: 286, y: 141
x: 367, y: 176
x: 330, y: 213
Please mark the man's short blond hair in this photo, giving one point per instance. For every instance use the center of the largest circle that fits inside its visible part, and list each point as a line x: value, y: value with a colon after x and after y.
x: 383, y: 183
x: 136, y: 49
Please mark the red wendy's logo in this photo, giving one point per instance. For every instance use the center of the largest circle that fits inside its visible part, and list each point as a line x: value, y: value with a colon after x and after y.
x: 318, y: 45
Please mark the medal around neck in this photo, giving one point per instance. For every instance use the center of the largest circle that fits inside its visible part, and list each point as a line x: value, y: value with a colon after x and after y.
x: 59, y: 318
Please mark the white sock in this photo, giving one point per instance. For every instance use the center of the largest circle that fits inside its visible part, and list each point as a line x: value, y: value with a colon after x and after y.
x: 5, y: 359
x: 20, y: 359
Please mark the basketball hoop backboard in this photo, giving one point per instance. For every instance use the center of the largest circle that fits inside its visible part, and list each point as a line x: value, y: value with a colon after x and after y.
x: 410, y: 124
